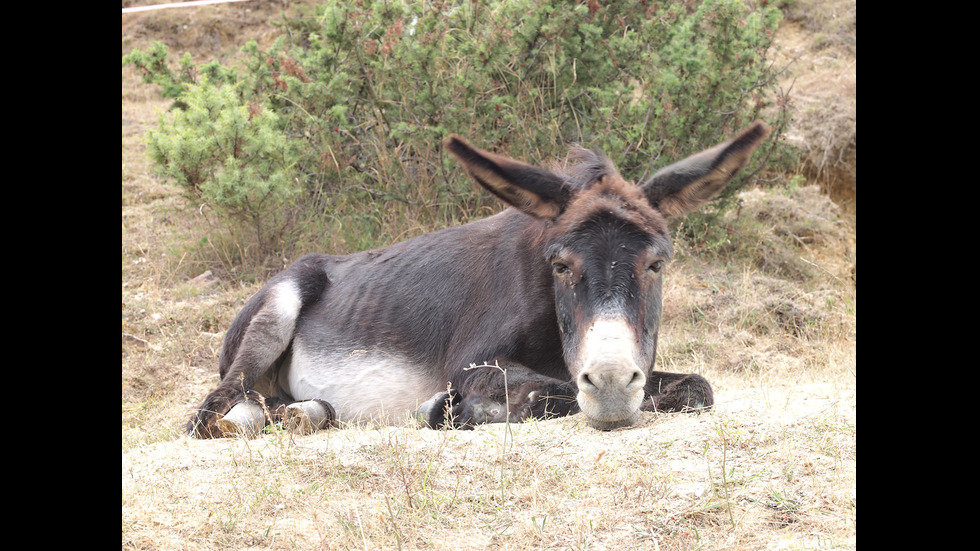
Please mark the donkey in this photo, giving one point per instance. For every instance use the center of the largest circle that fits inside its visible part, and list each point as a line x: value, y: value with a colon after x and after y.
x: 551, y: 307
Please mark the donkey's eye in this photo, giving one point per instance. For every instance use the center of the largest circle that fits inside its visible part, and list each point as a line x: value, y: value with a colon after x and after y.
x: 560, y: 269
x: 656, y: 266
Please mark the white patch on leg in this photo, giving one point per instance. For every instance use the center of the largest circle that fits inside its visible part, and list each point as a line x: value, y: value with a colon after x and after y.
x: 286, y: 304
x: 305, y: 417
x: 272, y: 328
x: 246, y: 419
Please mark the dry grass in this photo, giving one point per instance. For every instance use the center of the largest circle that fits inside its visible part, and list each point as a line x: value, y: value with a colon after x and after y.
x: 773, y: 466
x: 818, y: 38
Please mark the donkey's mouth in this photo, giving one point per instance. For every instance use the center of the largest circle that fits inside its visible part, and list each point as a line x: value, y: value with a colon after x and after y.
x: 602, y: 424
x: 610, y: 410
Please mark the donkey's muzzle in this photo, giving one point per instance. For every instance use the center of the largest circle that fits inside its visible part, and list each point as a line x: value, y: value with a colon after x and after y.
x: 610, y: 383
x: 610, y: 396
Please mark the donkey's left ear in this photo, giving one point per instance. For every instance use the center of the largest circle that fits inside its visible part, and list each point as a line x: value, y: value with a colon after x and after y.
x: 531, y: 189
x: 685, y: 186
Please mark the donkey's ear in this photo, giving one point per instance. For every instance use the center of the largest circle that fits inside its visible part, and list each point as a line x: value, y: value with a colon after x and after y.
x: 685, y: 186
x: 533, y: 190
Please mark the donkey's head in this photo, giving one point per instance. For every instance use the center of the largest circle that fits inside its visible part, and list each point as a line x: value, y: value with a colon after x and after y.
x: 607, y: 243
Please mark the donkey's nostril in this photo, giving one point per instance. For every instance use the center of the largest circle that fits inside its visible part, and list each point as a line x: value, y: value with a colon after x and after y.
x: 638, y: 378
x: 585, y: 381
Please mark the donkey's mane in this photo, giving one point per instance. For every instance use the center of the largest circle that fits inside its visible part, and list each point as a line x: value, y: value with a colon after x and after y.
x: 582, y: 167
x: 599, y: 188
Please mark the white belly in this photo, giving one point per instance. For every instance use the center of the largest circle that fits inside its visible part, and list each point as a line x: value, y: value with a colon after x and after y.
x: 361, y: 385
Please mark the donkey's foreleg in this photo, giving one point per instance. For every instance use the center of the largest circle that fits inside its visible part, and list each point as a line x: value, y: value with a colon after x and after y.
x: 670, y: 392
x: 502, y: 392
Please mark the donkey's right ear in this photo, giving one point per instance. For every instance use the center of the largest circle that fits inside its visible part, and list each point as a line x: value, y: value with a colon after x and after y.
x: 533, y: 190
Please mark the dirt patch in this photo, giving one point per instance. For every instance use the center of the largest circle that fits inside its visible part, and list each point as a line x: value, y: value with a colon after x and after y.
x: 669, y: 483
x: 212, y: 32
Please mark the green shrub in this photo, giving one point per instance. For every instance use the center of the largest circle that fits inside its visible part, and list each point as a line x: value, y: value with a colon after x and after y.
x: 233, y: 157
x: 344, y: 116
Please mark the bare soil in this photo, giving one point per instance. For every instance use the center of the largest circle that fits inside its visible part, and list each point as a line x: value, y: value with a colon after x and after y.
x: 772, y: 467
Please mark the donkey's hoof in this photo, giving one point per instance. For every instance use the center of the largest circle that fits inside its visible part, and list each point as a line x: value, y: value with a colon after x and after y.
x: 438, y: 410
x: 307, y: 417
x: 246, y: 419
